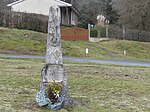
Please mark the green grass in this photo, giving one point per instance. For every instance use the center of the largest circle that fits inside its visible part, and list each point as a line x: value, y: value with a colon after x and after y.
x: 94, y: 87
x: 134, y: 49
x: 25, y: 42
x: 15, y: 41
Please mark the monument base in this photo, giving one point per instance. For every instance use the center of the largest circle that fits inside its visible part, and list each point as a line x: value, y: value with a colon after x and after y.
x: 56, y: 73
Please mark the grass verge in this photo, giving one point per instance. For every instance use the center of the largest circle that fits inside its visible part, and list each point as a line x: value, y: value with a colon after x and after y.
x: 25, y: 42
x: 95, y: 87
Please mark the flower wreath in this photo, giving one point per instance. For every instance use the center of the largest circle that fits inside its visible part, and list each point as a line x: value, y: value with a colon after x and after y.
x: 51, y: 96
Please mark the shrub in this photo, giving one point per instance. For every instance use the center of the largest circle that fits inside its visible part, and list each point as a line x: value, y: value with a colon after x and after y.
x: 93, y: 33
x: 103, y: 32
x: 34, y: 22
x: 135, y: 35
x: 115, y: 32
x: 65, y: 25
x: 28, y: 21
x: 85, y: 26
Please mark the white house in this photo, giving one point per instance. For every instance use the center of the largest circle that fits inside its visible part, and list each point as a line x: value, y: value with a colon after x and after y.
x: 69, y: 14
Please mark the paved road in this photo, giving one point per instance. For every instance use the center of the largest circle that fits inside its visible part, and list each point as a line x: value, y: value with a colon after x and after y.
x: 114, y: 62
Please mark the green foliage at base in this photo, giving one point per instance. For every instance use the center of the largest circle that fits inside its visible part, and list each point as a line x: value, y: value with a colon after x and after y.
x: 103, y: 32
x: 93, y: 33
x: 66, y: 25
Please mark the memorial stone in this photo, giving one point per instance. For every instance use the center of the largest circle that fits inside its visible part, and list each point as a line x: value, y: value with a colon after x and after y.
x: 54, y: 70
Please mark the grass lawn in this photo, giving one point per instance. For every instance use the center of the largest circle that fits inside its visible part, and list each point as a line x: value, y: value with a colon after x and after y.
x: 25, y: 42
x: 94, y: 87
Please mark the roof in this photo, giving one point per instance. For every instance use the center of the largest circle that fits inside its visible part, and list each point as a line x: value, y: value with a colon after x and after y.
x: 38, y: 6
x: 60, y: 3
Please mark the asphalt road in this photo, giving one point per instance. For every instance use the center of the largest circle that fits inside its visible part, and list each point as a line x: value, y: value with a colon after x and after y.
x: 113, y: 62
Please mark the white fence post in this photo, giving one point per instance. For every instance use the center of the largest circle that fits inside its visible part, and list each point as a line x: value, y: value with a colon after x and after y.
x: 89, y: 28
x: 107, y: 31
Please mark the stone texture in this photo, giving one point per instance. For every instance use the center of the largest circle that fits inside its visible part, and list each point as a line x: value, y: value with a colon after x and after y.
x: 54, y: 69
x: 54, y: 52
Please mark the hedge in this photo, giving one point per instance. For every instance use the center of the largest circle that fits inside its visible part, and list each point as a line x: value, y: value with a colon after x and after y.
x: 28, y: 21
x: 103, y: 32
x: 93, y: 33
x: 39, y: 23
x: 135, y: 35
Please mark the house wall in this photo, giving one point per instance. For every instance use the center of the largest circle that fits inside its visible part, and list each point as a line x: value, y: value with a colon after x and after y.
x: 66, y: 18
x: 34, y: 6
x: 37, y: 6
x: 74, y: 18
x: 62, y: 15
x: 42, y: 7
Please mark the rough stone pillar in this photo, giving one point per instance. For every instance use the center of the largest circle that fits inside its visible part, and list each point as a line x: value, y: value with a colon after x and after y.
x: 54, y: 52
x: 54, y: 69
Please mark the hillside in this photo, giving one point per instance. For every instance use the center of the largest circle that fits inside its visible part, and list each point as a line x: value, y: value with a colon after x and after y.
x: 24, y: 42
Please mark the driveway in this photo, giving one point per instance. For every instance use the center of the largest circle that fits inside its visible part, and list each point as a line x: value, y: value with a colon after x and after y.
x: 113, y: 62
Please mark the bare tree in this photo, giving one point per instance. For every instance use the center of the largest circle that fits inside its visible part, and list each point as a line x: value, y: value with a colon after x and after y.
x: 91, y: 8
x: 134, y: 13
x: 4, y: 3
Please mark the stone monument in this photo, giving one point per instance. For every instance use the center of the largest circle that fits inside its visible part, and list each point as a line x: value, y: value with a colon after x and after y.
x: 54, y: 69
